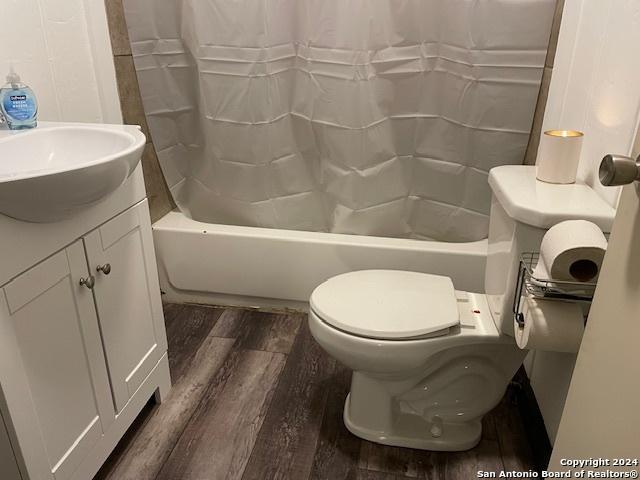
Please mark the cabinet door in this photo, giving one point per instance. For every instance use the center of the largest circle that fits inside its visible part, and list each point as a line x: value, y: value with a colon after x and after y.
x: 52, y: 368
x: 128, y: 299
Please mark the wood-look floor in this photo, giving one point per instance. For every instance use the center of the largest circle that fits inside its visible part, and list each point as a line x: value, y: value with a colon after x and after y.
x: 254, y: 397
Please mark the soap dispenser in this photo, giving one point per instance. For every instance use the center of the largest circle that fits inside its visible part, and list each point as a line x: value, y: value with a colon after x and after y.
x: 18, y: 103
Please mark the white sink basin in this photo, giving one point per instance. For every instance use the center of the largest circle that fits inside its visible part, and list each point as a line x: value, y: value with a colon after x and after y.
x: 49, y: 173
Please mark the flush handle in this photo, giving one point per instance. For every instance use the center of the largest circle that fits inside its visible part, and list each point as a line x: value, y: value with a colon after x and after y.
x: 88, y: 282
x: 619, y: 170
x: 106, y: 268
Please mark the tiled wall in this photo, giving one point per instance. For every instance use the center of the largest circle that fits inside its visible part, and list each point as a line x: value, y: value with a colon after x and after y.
x: 49, y: 44
x: 536, y: 129
x: 160, y: 201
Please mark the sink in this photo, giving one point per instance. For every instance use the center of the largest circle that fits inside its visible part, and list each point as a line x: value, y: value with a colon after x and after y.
x: 49, y: 173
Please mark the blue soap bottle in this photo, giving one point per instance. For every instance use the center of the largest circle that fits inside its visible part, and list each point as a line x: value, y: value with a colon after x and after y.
x: 18, y: 103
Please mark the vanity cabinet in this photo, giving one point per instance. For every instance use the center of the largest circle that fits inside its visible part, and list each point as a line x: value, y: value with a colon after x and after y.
x: 80, y: 333
x: 55, y: 378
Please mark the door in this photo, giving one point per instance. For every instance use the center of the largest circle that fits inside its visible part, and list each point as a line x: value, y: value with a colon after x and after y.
x: 8, y: 464
x: 127, y: 294
x: 52, y: 368
x: 601, y: 418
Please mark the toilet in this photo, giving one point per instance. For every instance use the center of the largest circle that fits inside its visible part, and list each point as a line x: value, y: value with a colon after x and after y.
x: 430, y: 361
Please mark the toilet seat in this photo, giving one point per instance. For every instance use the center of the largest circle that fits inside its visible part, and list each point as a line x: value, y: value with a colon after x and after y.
x: 387, y: 304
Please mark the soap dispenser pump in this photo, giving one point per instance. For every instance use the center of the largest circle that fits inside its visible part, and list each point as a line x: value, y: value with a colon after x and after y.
x: 18, y: 103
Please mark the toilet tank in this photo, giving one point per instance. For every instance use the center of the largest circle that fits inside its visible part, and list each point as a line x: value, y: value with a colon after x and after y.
x: 522, y: 210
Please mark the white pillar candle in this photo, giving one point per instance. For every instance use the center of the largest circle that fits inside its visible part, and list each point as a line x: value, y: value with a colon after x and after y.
x: 558, y: 156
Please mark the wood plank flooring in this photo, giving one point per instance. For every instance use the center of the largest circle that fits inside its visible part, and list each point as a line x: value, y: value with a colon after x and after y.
x: 254, y: 397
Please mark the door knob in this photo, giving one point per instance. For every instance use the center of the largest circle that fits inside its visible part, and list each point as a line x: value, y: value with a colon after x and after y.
x: 619, y: 170
x: 88, y: 282
x: 106, y: 268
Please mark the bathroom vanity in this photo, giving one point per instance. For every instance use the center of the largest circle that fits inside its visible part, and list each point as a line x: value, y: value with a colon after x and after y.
x: 82, y: 338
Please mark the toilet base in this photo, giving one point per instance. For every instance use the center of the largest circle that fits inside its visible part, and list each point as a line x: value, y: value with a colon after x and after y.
x: 412, y: 431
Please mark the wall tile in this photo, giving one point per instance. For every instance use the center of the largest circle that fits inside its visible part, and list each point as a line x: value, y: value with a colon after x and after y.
x: 117, y: 28
x: 48, y: 43
x: 160, y: 202
x: 160, y: 199
x: 555, y: 30
x: 65, y: 24
x: 130, y: 101
x: 536, y: 128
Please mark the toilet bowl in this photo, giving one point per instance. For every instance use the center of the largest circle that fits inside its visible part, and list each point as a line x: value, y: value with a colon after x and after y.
x: 428, y: 361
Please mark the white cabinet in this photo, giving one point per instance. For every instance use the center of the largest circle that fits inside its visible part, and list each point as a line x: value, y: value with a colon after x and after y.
x: 126, y: 288
x: 77, y: 344
x: 53, y: 371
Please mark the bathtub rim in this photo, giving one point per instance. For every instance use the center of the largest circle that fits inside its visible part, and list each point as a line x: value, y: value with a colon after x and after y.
x: 176, y: 227
x: 178, y: 221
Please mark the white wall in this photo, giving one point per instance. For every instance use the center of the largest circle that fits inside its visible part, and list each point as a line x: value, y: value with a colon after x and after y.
x: 594, y: 88
x: 61, y: 49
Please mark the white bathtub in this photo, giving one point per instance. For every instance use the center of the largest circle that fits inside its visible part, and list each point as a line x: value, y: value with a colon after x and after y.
x: 262, y: 267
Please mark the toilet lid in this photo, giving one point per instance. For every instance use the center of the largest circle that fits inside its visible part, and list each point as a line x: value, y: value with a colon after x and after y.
x: 386, y: 304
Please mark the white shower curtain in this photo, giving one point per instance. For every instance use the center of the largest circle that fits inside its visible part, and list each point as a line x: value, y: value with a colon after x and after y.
x: 376, y: 117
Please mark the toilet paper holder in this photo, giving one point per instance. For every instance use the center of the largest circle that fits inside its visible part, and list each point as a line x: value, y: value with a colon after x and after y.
x: 528, y: 284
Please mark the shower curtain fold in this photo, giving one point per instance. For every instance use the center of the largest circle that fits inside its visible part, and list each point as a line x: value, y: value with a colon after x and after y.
x: 372, y: 117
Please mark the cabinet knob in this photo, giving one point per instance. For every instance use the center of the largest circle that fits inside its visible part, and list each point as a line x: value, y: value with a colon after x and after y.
x: 88, y: 282
x: 106, y: 268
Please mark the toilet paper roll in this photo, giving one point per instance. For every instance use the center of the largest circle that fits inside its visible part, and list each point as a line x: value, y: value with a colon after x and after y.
x: 573, y: 250
x: 540, y: 273
x: 540, y: 277
x: 550, y: 325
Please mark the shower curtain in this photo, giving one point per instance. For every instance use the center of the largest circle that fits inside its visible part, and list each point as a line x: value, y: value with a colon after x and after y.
x: 373, y: 117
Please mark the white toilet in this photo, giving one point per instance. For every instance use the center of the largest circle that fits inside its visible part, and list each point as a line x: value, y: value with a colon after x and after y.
x: 430, y: 361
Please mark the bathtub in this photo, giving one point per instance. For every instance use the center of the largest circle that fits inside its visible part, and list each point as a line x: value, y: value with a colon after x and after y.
x: 271, y: 268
